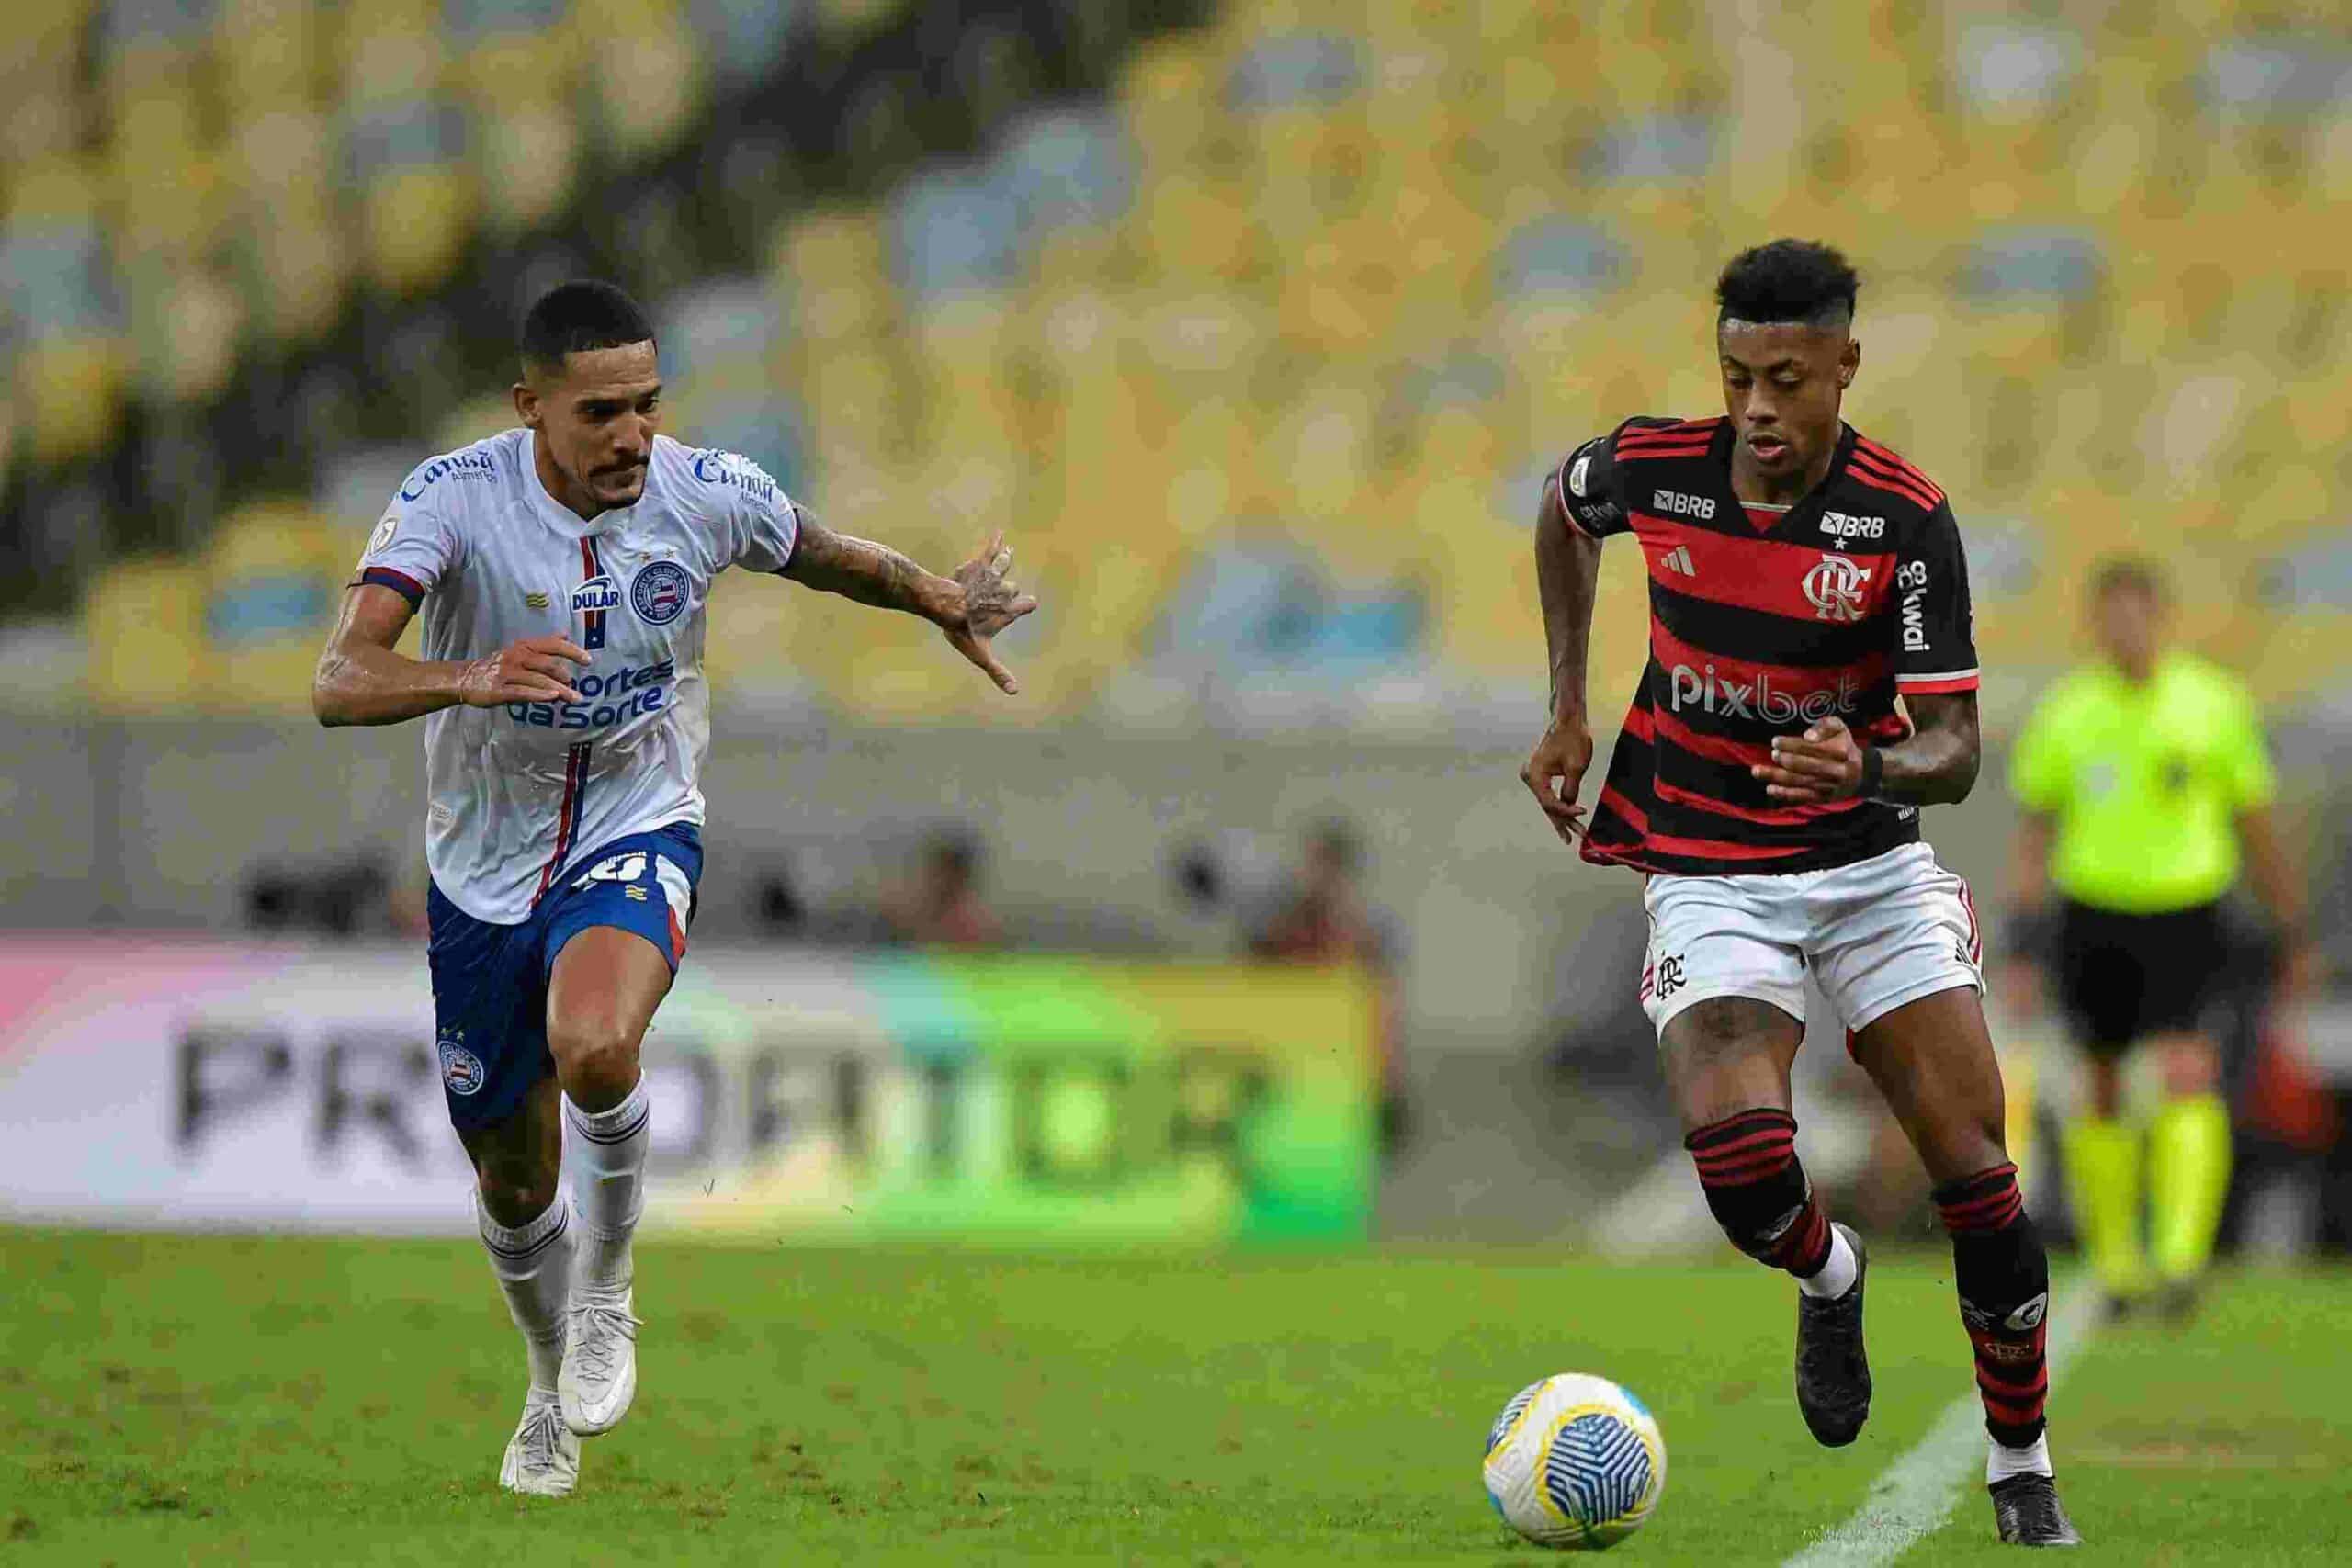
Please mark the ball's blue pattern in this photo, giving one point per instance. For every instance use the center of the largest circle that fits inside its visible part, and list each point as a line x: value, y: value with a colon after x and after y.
x: 1598, y: 1469
x: 1519, y: 1401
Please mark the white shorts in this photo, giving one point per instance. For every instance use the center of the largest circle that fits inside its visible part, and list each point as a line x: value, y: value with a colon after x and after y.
x: 1876, y: 934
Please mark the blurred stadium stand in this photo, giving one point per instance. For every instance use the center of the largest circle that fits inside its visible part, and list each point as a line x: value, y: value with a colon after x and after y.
x: 1256, y: 324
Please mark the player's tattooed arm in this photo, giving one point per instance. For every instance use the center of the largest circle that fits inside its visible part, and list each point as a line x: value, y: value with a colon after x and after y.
x: 1567, y: 574
x: 362, y: 679
x: 974, y: 603
x: 1937, y: 766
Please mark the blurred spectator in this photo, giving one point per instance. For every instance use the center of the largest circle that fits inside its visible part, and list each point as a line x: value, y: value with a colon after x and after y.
x: 942, y: 905
x: 1323, y: 917
x: 340, y: 899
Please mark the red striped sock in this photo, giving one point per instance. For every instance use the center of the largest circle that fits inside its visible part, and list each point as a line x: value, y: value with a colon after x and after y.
x: 1757, y: 1189
x: 2002, y: 1275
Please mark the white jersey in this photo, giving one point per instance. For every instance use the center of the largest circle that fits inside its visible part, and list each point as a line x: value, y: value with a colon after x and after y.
x: 517, y: 792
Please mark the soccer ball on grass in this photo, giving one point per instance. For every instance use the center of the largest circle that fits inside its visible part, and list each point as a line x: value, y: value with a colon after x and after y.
x: 1575, y: 1460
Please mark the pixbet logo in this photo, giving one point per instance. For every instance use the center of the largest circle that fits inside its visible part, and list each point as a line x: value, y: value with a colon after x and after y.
x: 1834, y: 587
x: 1709, y: 692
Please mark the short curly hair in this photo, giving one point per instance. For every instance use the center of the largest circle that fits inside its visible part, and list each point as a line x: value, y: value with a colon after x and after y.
x: 1789, y: 280
x: 576, y: 318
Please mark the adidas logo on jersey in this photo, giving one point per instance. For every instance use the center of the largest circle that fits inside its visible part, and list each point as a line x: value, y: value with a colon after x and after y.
x: 1678, y: 559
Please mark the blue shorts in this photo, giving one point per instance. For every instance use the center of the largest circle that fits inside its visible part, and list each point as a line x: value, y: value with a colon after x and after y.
x: 489, y: 982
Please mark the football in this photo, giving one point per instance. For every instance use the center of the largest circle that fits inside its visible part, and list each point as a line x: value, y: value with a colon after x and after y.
x: 1575, y: 1460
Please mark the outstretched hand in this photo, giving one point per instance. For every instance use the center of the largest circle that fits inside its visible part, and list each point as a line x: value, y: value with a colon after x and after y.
x: 990, y: 604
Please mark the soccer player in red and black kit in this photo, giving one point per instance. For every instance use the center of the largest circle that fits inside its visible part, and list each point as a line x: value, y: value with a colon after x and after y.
x: 1802, y: 578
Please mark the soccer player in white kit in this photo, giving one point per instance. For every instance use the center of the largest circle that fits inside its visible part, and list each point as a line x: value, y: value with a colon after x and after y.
x: 562, y: 570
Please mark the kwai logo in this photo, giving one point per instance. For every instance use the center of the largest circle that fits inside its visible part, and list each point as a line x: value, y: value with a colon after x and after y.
x: 1709, y: 692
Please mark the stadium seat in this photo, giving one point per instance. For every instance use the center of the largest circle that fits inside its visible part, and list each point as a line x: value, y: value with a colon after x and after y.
x: 645, y: 67
x: 145, y: 622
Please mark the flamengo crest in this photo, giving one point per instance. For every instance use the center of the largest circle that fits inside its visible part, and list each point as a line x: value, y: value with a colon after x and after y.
x: 1834, y: 587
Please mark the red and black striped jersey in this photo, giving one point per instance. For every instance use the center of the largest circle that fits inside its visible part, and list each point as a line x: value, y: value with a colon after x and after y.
x: 1762, y: 621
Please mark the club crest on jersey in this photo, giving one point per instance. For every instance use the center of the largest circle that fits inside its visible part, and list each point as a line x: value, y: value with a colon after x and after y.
x: 460, y: 1069
x: 1834, y: 587
x: 658, y: 592
x: 599, y: 592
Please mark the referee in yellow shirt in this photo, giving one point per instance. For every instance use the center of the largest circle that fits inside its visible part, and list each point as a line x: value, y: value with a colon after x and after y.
x: 2145, y: 784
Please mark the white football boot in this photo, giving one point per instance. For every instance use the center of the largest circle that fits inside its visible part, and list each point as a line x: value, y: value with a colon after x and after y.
x: 599, y: 1375
x: 543, y: 1456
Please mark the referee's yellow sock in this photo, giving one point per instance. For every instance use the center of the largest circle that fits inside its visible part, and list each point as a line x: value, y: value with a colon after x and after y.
x: 2189, y: 1178
x: 2103, y: 1184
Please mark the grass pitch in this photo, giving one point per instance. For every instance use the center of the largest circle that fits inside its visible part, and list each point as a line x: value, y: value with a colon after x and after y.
x: 267, y: 1400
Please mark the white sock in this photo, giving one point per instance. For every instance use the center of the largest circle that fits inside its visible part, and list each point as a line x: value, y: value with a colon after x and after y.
x: 2004, y: 1461
x: 610, y: 1177
x: 533, y: 1262
x: 1837, y: 1275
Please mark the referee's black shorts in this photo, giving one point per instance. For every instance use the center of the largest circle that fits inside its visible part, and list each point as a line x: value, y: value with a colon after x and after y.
x: 2124, y: 977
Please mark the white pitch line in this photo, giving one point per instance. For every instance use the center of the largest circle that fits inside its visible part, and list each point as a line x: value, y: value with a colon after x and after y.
x: 1913, y: 1498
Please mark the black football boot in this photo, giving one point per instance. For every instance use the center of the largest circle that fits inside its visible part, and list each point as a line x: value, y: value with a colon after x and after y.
x: 2029, y: 1513
x: 1833, y: 1369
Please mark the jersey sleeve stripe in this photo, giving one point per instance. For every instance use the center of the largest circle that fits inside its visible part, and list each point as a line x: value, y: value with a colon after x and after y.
x: 1961, y: 680
x: 1893, y: 487
x: 1652, y: 454
x: 400, y: 583
x: 1634, y: 439
x: 1896, y: 463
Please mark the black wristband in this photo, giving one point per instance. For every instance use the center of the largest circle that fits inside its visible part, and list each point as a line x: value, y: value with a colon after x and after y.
x: 1873, y: 773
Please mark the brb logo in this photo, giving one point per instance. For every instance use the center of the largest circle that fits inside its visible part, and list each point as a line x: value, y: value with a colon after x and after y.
x: 1674, y: 504
x: 1845, y: 526
x: 1705, y: 691
x: 1834, y: 587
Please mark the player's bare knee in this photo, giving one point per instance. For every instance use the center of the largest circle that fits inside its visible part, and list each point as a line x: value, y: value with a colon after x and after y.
x: 596, y: 1060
